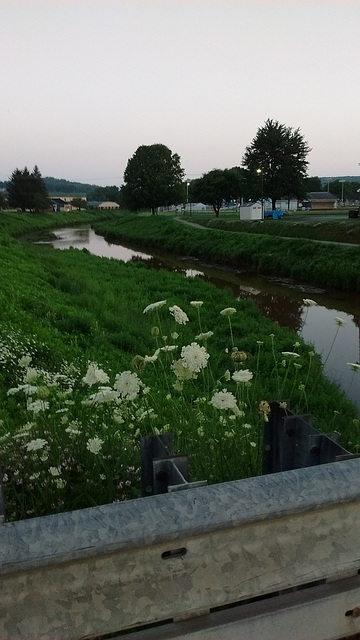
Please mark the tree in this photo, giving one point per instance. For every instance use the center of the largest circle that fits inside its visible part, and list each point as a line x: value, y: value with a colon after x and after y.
x: 344, y: 189
x: 27, y: 190
x: 277, y: 155
x: 217, y: 186
x: 153, y: 178
x: 313, y: 183
x: 78, y: 203
x: 3, y: 202
x: 101, y: 194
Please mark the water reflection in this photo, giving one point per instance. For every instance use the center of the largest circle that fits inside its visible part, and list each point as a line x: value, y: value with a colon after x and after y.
x: 279, y: 299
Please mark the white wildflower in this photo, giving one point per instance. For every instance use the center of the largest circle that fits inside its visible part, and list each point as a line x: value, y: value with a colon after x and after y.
x: 128, y: 385
x: 196, y: 303
x: 35, y: 445
x: 194, y: 357
x: 291, y: 354
x: 355, y: 366
x: 54, y: 471
x: 309, y: 303
x: 168, y: 347
x: 37, y: 406
x: 94, y: 375
x: 179, y: 315
x: 204, y: 336
x: 182, y: 372
x: 224, y: 400
x: 103, y: 395
x: 154, y: 305
x: 94, y: 445
x: 229, y: 311
x: 60, y: 483
x: 152, y: 358
x: 24, y: 361
x: 243, y: 375
x: 30, y: 375
x: 340, y: 321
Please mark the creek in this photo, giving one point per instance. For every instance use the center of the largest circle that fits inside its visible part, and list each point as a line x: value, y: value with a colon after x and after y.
x: 277, y: 298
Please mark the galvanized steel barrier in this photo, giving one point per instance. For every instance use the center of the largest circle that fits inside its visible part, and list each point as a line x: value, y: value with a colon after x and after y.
x: 274, y: 557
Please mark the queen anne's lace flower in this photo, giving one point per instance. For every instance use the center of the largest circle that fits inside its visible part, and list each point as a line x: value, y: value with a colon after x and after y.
x: 244, y: 375
x: 309, y: 303
x: 196, y: 303
x: 355, y: 366
x: 224, y: 400
x: 35, y: 445
x: 182, y: 372
x: 94, y: 445
x: 340, y: 321
x: 102, y: 396
x: 30, y: 375
x: 154, y: 305
x: 179, y: 315
x: 94, y: 375
x: 229, y: 311
x: 194, y: 357
x: 204, y: 336
x: 127, y: 384
x: 37, y: 406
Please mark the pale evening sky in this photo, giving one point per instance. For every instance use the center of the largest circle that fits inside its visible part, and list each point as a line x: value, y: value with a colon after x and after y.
x: 84, y: 83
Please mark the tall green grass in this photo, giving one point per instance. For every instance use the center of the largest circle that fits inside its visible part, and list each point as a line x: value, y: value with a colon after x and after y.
x: 326, y: 265
x: 66, y: 443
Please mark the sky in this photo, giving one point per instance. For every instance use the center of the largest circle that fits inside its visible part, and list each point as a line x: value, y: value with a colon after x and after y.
x: 84, y: 83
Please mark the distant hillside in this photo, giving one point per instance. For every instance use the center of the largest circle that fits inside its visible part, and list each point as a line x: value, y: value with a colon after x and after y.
x: 61, y: 186
x: 334, y: 178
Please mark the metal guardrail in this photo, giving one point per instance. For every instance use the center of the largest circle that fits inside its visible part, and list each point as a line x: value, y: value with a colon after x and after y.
x: 240, y: 560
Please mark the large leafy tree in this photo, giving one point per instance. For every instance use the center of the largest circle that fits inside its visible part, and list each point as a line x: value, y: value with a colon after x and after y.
x: 217, y: 186
x: 276, y: 162
x: 27, y: 190
x: 153, y: 178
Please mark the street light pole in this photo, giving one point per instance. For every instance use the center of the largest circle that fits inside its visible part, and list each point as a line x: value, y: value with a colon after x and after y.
x: 187, y: 196
x: 259, y: 172
x: 342, y: 191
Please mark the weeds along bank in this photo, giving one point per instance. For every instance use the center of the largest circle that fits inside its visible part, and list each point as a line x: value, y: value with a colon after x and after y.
x: 95, y: 353
x: 325, y: 265
x: 347, y: 231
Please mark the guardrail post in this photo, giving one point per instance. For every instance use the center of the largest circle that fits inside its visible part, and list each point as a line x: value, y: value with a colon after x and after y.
x: 161, y: 471
x: 291, y: 442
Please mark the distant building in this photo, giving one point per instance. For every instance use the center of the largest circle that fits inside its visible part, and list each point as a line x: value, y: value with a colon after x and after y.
x: 251, y: 211
x: 108, y: 205
x: 63, y: 202
x: 320, y: 201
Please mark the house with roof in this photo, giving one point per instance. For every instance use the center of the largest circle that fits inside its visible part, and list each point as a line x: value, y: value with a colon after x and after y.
x: 63, y: 202
x: 320, y: 201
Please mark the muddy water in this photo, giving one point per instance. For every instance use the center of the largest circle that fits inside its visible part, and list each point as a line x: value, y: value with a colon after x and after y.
x: 279, y: 299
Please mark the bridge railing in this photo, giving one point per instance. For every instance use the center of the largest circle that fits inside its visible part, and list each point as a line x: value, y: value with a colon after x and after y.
x: 274, y: 556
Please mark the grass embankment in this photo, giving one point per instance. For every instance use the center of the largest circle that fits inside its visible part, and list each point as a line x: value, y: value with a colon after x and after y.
x: 85, y: 373
x: 347, y: 231
x: 326, y: 265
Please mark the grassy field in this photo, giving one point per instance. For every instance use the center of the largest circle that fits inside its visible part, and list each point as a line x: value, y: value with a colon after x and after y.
x: 95, y: 353
x: 326, y: 265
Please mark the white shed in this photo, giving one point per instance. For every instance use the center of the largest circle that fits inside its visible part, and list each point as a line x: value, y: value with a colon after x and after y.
x: 250, y: 211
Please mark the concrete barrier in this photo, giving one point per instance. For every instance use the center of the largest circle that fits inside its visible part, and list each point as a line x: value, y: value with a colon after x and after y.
x: 170, y: 558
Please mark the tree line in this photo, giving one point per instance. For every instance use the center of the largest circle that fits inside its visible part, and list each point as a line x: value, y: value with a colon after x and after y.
x: 274, y: 166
